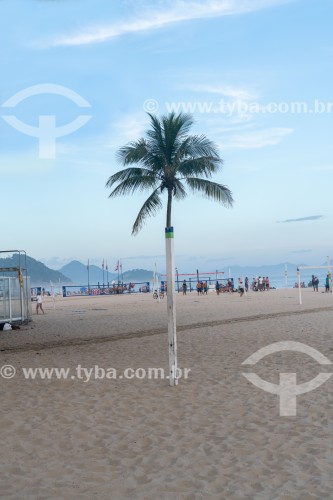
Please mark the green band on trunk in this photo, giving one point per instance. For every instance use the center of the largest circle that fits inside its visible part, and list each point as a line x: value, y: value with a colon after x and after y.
x: 169, y: 232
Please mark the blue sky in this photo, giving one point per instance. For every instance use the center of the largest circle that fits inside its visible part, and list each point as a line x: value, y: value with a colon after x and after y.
x: 127, y: 56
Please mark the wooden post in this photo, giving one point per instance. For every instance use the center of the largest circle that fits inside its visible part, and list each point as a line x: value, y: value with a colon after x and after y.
x: 171, y: 306
x: 299, y: 286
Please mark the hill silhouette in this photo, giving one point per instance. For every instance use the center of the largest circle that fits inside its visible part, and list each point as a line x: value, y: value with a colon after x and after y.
x: 78, y: 273
x: 38, y: 272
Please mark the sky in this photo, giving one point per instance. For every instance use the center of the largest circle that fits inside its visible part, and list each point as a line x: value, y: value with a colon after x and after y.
x: 77, y: 80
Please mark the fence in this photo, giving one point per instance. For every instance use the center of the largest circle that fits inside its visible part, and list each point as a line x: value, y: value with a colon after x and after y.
x: 192, y: 283
x: 112, y: 289
x: 15, y: 301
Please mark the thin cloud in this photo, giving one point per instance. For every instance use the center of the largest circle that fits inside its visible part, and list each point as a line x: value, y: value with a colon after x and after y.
x: 239, y: 94
x: 169, y: 13
x: 128, y: 128
x: 301, y: 219
x: 257, y: 139
x: 233, y: 102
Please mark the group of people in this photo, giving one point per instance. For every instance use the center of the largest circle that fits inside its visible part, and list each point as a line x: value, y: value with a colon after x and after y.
x: 303, y: 285
x: 260, y: 284
x: 202, y: 288
x: 315, y: 283
x: 229, y: 287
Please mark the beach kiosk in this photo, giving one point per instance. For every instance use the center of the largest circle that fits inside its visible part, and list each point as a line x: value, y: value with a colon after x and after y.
x: 15, y: 302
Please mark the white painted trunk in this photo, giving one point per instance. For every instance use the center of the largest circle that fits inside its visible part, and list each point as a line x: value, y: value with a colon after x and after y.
x: 172, y: 332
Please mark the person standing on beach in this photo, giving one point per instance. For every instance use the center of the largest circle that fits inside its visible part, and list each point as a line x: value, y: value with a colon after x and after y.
x: 316, y: 283
x: 327, y: 284
x: 241, y: 286
x: 260, y: 284
x: 202, y: 287
x: 313, y: 283
x: 246, y: 284
x: 39, y: 304
x: 184, y: 287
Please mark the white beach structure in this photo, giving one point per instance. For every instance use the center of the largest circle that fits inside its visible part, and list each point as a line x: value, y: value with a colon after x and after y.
x: 328, y: 267
x: 15, y: 297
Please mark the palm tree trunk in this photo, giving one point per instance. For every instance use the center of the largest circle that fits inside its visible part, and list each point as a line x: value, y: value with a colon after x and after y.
x: 171, y: 306
x: 169, y: 206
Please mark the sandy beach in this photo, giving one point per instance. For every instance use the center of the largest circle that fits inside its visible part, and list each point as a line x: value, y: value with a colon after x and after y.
x: 214, y: 436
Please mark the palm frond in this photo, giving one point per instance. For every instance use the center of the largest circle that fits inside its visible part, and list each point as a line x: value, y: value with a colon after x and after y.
x: 211, y: 190
x: 200, y: 145
x: 175, y: 128
x: 132, y: 184
x: 179, y: 191
x: 168, y: 159
x: 134, y: 152
x: 154, y: 162
x: 179, y: 124
x: 128, y: 173
x: 205, y: 165
x: 156, y: 138
x: 167, y: 133
x: 148, y: 209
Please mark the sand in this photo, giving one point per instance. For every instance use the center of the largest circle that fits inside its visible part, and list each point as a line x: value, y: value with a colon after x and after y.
x: 214, y: 436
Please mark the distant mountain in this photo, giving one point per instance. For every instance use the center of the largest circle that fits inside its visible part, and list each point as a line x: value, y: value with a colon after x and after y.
x: 137, y: 275
x: 78, y: 273
x: 38, y: 272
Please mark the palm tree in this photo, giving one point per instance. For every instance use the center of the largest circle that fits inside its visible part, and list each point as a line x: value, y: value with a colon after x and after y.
x: 168, y: 160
